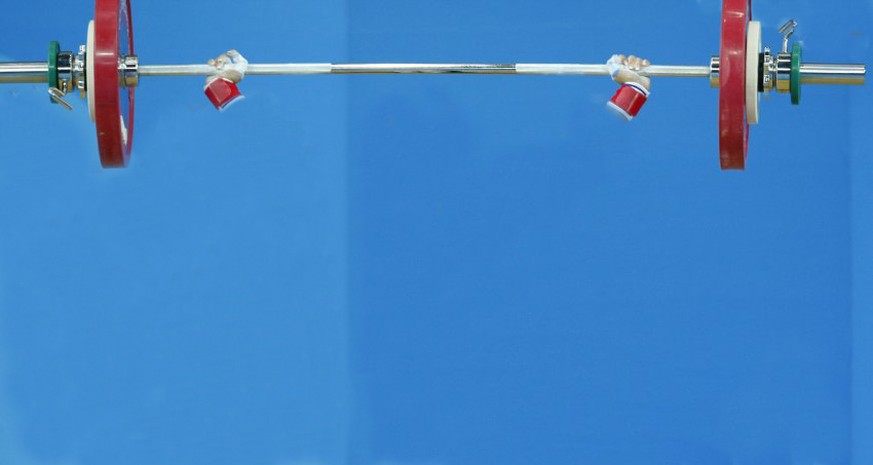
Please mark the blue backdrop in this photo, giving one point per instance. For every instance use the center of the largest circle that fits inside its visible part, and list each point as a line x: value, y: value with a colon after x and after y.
x: 450, y: 270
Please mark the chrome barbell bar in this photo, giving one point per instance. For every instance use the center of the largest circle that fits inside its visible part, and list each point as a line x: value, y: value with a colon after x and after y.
x: 811, y: 73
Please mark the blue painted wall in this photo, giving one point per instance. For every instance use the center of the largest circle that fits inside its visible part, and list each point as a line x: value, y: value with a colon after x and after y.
x: 449, y: 270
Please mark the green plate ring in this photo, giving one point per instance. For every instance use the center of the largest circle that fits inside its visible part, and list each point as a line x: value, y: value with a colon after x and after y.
x: 54, y: 50
x: 796, y: 57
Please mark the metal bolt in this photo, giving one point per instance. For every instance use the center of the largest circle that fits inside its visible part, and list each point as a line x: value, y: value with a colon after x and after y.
x: 787, y: 30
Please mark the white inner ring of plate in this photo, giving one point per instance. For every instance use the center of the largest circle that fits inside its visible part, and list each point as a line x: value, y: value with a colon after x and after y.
x: 89, y: 71
x: 753, y: 49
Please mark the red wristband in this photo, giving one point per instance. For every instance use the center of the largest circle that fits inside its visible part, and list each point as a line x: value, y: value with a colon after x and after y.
x: 629, y: 100
x: 222, y: 92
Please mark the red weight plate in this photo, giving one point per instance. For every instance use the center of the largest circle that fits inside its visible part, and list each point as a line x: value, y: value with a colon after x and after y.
x: 732, y: 124
x: 113, y: 37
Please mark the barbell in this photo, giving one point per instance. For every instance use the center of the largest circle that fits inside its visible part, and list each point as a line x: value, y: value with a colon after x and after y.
x: 105, y: 71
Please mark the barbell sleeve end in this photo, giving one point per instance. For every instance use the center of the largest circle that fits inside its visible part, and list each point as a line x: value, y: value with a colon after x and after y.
x: 834, y: 74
